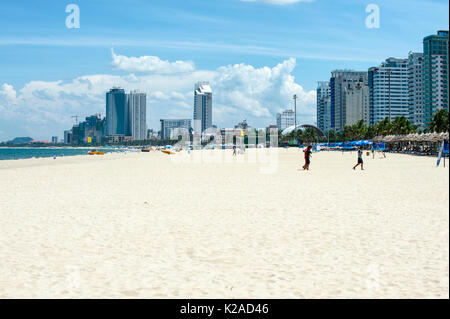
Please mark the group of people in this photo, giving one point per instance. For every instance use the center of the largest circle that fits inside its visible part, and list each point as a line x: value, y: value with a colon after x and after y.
x: 308, y: 155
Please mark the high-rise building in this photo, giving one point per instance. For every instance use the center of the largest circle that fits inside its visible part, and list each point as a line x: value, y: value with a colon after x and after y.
x: 117, y: 112
x: 323, y: 106
x: 356, y: 103
x: 126, y: 114
x: 435, y: 74
x: 285, y: 119
x: 388, y: 89
x: 137, y: 109
x: 171, y: 128
x: 92, y: 129
x: 55, y: 139
x: 68, y: 137
x: 339, y: 81
x: 415, y: 88
x: 202, y: 107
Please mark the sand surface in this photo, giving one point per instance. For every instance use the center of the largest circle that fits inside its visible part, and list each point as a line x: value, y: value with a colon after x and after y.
x: 142, y: 226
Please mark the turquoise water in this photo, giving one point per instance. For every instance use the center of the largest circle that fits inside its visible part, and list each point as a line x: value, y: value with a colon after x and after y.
x: 19, y: 153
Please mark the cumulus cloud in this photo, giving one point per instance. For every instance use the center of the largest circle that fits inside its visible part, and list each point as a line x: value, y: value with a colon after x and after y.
x: 260, y: 92
x: 7, y: 92
x: 44, y: 108
x: 279, y: 2
x: 150, y: 64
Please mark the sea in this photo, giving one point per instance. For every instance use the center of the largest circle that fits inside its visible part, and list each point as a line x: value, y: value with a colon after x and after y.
x: 20, y: 153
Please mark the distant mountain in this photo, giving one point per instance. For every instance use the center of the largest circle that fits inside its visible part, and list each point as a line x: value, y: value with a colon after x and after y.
x: 20, y: 140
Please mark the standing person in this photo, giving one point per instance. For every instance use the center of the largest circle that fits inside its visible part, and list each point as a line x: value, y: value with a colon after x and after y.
x: 234, y: 150
x: 308, y: 156
x: 360, y: 159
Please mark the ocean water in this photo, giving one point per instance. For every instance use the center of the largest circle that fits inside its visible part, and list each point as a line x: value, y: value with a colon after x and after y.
x: 19, y: 153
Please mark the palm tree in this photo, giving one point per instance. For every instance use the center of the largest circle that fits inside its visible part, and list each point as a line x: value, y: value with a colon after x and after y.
x: 401, y: 126
x: 440, y: 122
x: 383, y: 127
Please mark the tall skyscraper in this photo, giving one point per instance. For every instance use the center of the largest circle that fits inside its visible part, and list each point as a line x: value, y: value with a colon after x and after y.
x: 137, y: 108
x: 415, y: 88
x: 116, y: 112
x: 202, y: 107
x: 126, y: 114
x: 388, y: 89
x: 323, y: 106
x: 285, y: 119
x: 435, y: 74
x: 340, y: 80
x: 170, y: 128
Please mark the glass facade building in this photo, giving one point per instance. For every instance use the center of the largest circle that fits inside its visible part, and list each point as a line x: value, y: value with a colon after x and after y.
x: 202, y: 107
x: 435, y: 74
x: 117, y: 112
x: 126, y: 114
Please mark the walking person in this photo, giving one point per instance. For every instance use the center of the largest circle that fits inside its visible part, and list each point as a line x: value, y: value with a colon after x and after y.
x: 308, y: 155
x: 360, y: 159
x: 234, y: 150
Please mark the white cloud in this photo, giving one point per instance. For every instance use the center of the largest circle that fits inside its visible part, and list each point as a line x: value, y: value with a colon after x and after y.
x: 279, y: 2
x: 41, y: 109
x: 150, y: 64
x: 8, y: 92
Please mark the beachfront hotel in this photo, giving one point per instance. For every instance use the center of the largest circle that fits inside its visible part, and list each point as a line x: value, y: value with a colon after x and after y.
x: 435, y: 74
x: 389, y: 95
x: 323, y: 105
x: 116, y: 112
x: 340, y: 81
x: 415, y: 88
x: 170, y: 127
x: 137, y: 108
x: 356, y: 97
x: 202, y: 107
x: 126, y: 114
x: 285, y: 119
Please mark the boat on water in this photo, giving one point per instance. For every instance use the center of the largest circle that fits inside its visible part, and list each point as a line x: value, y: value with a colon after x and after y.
x: 169, y: 152
x: 95, y: 152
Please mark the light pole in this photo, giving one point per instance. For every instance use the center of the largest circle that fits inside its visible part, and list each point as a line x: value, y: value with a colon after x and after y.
x: 389, y: 94
x: 295, y: 112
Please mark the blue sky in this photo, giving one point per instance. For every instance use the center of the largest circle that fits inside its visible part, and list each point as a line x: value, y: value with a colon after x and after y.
x: 44, y: 65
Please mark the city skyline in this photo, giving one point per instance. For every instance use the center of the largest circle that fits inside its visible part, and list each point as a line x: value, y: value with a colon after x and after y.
x: 415, y: 88
x: 50, y: 73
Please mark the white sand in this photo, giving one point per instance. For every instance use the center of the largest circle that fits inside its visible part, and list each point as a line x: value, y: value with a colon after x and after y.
x: 138, y: 225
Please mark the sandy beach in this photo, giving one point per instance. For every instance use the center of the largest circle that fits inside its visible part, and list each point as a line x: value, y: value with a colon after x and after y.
x: 140, y: 225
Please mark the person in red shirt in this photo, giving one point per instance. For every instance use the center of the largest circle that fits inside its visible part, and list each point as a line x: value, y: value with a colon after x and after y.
x: 308, y: 155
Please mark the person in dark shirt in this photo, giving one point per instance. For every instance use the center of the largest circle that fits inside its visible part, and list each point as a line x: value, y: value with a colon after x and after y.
x: 308, y: 156
x: 360, y: 159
